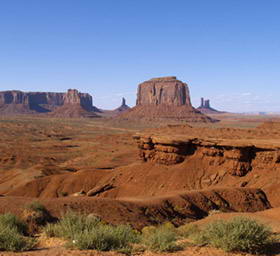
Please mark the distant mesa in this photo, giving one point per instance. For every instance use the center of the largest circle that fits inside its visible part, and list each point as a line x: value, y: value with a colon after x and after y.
x: 164, y: 98
x: 205, y: 108
x: 18, y: 102
x: 75, y: 104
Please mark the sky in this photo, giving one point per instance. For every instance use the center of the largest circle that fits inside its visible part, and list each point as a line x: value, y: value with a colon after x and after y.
x: 225, y: 50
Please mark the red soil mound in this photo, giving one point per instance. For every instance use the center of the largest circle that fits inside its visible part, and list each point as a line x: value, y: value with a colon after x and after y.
x: 177, y: 207
x: 72, y: 111
x: 166, y: 112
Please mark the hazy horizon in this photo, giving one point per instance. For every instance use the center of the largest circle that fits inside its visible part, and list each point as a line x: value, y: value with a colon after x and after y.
x: 226, y: 51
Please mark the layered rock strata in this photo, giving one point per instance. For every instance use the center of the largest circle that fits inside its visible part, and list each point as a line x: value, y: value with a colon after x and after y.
x: 237, y: 158
x: 75, y: 104
x: 40, y: 102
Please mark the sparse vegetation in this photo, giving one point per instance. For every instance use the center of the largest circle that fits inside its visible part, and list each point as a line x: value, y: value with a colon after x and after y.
x: 12, y: 231
x: 106, y: 238
x: 85, y: 232
x: 238, y: 234
x: 72, y: 224
x: 36, y: 207
x: 10, y: 221
x: 188, y: 230
x: 160, y: 239
x: 35, y: 215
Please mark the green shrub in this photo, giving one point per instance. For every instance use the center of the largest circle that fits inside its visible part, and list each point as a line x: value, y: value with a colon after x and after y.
x: 160, y: 239
x: 12, y: 231
x: 36, y: 215
x: 70, y: 225
x: 106, y: 238
x: 238, y: 234
x: 10, y: 221
x: 188, y: 230
x: 12, y: 240
x: 36, y: 207
x: 84, y: 232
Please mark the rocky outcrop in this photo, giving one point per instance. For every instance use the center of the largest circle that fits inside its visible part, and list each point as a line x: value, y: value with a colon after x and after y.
x: 237, y: 158
x: 123, y: 107
x: 73, y: 97
x: 205, y: 108
x: 13, y: 97
x: 179, y: 209
x: 31, y: 98
x: 99, y: 189
x: 40, y: 102
x: 164, y: 98
x: 75, y: 104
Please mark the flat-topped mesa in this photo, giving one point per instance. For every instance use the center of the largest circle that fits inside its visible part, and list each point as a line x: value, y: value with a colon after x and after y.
x: 17, y: 102
x: 72, y: 97
x: 13, y: 97
x: 163, y: 90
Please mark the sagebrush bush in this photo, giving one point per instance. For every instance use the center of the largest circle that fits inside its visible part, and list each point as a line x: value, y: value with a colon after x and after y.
x: 160, y: 239
x: 36, y: 215
x: 36, y: 206
x: 12, y: 240
x: 187, y: 230
x: 70, y: 225
x: 12, y: 231
x: 11, y: 221
x: 238, y: 234
x: 106, y: 238
x: 85, y: 232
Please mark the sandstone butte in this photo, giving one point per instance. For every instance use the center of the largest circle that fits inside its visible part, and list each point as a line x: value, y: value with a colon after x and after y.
x: 123, y: 107
x: 75, y: 104
x: 164, y: 98
x: 205, y: 108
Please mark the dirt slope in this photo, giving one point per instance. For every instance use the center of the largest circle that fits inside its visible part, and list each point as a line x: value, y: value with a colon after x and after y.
x: 177, y: 207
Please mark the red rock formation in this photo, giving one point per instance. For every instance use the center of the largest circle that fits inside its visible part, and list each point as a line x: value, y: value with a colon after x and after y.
x: 164, y: 98
x: 122, y: 108
x: 165, y: 90
x: 76, y: 105
x: 205, y: 108
x: 18, y: 102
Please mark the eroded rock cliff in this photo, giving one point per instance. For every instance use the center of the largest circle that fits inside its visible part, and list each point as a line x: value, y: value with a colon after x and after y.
x: 18, y: 102
x: 165, y: 90
x: 235, y: 156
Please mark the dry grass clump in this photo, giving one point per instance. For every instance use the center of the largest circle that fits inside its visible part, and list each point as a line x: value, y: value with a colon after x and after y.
x: 12, y: 234
x: 188, y: 230
x: 36, y: 215
x: 160, y: 239
x: 84, y: 232
x: 240, y: 234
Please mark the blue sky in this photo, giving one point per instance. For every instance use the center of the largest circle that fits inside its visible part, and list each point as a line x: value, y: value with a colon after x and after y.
x: 226, y: 50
